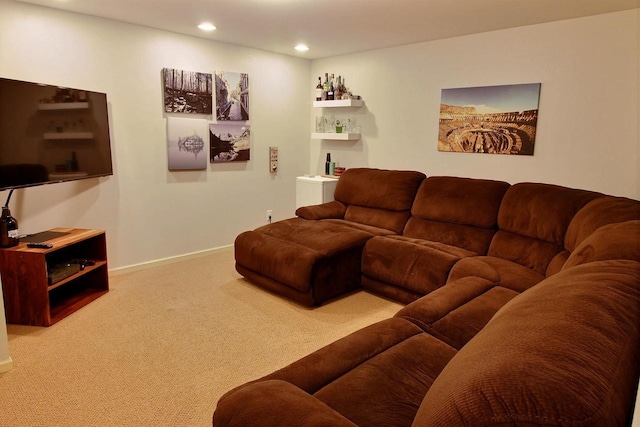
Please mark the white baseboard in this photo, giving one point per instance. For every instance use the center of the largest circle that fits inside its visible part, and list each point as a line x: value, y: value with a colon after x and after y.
x: 6, y: 365
x: 169, y: 260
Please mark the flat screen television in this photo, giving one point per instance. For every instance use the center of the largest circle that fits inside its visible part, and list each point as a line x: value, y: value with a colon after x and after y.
x: 51, y: 134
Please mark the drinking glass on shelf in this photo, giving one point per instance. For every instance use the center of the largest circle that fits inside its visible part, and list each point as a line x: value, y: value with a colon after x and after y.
x: 330, y: 124
x: 319, y: 124
x: 351, y: 125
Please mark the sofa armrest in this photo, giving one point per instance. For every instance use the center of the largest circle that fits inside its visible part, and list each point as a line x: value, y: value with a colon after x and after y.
x: 275, y: 403
x: 330, y: 210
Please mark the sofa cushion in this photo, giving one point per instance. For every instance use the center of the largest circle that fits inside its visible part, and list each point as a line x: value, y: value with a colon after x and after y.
x: 392, y: 190
x: 563, y: 353
x: 457, y: 211
x: 276, y: 403
x: 533, y: 221
x: 613, y: 241
x: 375, y: 376
x: 419, y: 266
x: 379, y: 198
x: 456, y: 312
x: 498, y: 271
x: 333, y: 209
x: 601, y: 211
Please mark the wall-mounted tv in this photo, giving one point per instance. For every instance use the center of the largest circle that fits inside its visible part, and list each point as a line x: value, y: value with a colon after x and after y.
x: 51, y: 134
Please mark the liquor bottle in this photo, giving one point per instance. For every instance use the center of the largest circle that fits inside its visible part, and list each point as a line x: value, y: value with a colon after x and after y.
x: 327, y: 164
x: 331, y: 90
x: 338, y: 90
x: 8, y: 229
x: 325, y: 87
x: 319, y: 90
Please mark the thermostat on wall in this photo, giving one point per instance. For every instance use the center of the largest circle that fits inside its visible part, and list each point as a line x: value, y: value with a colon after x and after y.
x: 273, y: 159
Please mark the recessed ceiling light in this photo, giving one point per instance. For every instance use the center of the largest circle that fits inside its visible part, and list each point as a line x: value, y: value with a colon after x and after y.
x: 207, y: 26
x: 302, y: 47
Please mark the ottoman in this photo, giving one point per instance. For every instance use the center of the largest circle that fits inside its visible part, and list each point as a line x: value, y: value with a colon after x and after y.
x: 307, y: 261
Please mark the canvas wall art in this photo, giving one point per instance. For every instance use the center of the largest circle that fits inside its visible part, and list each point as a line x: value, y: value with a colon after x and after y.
x: 232, y: 96
x: 186, y: 146
x: 489, y: 119
x: 229, y: 142
x: 187, y: 92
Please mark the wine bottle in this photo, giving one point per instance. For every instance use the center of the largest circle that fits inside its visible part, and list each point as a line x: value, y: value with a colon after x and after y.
x: 319, y: 90
x: 325, y: 87
x: 8, y: 229
x: 331, y: 90
x: 338, y: 91
x: 327, y: 164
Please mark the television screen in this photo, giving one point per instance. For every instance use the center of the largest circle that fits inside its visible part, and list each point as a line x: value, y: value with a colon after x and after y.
x: 51, y: 134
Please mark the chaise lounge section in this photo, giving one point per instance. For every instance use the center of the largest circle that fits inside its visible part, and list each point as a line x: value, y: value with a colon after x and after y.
x: 317, y: 256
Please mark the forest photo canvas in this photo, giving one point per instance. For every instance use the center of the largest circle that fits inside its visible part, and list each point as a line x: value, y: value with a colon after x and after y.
x: 232, y: 96
x: 187, y: 91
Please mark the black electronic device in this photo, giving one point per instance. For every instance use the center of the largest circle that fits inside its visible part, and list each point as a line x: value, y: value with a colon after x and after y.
x: 61, y: 271
x: 51, y: 134
x: 39, y: 245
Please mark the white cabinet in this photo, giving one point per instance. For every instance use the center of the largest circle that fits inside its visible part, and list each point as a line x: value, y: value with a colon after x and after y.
x: 314, y: 190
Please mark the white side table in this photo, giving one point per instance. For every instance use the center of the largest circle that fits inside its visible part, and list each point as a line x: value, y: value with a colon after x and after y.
x: 314, y: 190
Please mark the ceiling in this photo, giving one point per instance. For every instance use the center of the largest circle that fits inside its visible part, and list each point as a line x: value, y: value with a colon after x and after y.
x: 336, y: 27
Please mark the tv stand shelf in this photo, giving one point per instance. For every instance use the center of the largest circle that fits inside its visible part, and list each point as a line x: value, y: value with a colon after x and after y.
x: 30, y: 300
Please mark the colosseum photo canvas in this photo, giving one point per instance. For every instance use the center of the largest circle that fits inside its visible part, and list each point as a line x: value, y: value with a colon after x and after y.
x: 489, y: 119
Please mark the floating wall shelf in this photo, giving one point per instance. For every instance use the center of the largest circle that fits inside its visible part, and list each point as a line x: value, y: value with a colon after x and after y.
x: 338, y: 136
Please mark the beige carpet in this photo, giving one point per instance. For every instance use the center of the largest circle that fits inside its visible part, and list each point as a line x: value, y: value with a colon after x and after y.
x: 163, y: 345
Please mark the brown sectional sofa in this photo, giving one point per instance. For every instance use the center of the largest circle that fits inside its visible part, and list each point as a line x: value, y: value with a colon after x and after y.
x: 523, y: 309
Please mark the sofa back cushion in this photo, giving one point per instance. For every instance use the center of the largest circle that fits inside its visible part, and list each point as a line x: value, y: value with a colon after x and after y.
x: 461, y: 212
x: 601, y: 211
x: 565, y: 352
x: 532, y: 223
x: 380, y: 198
x: 620, y: 240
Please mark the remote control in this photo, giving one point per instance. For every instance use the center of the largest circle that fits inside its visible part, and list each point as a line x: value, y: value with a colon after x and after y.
x: 39, y: 245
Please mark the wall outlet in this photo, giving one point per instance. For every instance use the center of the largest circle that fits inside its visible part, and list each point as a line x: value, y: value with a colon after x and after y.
x: 269, y: 212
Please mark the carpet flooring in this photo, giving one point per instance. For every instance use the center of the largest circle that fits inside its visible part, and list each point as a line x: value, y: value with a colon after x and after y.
x: 163, y: 345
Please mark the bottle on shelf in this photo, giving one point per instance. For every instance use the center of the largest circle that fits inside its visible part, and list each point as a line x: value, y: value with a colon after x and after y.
x: 330, y: 95
x: 319, y: 90
x: 8, y: 229
x: 325, y: 87
x: 338, y: 91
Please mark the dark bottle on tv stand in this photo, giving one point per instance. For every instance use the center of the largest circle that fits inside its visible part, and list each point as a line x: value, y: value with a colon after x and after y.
x: 8, y: 229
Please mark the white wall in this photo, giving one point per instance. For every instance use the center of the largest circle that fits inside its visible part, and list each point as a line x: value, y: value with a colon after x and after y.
x: 150, y: 213
x: 587, y: 131
x: 588, y: 113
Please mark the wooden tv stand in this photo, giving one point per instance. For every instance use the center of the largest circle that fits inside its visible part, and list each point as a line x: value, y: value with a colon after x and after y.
x: 29, y: 298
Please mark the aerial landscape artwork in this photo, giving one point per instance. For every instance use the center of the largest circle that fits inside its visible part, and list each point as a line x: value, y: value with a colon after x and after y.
x: 489, y: 119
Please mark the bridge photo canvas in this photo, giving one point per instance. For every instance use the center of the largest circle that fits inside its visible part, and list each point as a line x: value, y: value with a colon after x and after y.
x: 232, y: 96
x: 489, y: 119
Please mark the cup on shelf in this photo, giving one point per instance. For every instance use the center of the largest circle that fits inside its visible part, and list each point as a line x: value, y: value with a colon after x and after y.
x: 319, y: 124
